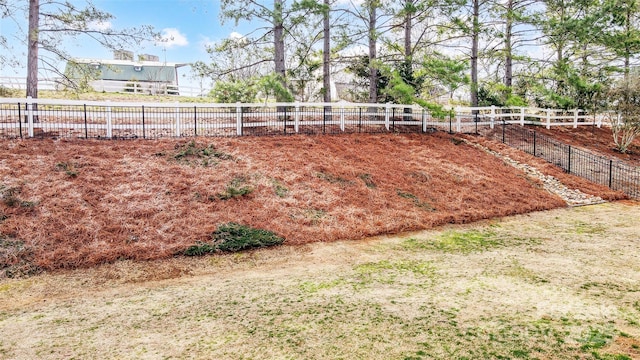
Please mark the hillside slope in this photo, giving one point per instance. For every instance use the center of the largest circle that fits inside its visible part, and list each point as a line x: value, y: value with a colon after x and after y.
x: 69, y: 204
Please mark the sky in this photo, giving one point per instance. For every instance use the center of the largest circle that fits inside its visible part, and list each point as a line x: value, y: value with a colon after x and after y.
x: 187, y: 26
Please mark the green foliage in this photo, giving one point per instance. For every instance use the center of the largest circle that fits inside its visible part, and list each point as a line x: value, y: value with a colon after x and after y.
x: 230, y: 92
x: 235, y: 189
x: 7, y: 92
x: 191, y: 153
x: 595, y: 339
x: 499, y: 95
x: 233, y: 237
x: 280, y: 189
x: 274, y: 85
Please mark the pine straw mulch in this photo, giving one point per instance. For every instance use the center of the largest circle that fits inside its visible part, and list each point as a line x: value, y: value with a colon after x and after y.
x: 70, y: 204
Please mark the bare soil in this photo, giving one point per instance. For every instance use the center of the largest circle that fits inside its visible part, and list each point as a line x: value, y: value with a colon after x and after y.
x: 74, y: 204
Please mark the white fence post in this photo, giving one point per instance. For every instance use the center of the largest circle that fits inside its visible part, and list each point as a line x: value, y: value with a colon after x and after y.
x: 30, y: 115
x: 178, y: 125
x: 521, y: 116
x: 492, y: 116
x: 109, y: 121
x: 575, y: 118
x: 296, y: 119
x: 424, y: 121
x: 548, y: 119
x: 386, y: 115
x: 238, y: 119
x: 458, y: 123
x: 342, y: 118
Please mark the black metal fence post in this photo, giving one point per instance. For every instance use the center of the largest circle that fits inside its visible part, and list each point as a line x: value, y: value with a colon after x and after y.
x: 476, y: 121
x: 359, y: 119
x: 20, y: 120
x: 86, y: 131
x: 504, y: 125
x: 610, y: 173
x: 144, y: 135
x: 569, y: 167
x: 450, y: 124
x: 195, y: 121
x: 324, y: 120
x: 393, y: 119
x: 285, y: 120
x: 534, y: 143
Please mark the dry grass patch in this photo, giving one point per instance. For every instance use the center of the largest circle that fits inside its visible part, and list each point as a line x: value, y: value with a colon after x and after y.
x: 540, y: 286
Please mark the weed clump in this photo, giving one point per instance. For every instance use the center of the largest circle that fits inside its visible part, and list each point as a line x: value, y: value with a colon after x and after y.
x: 368, y: 181
x: 235, y: 189
x: 233, y: 237
x: 10, y: 197
x: 416, y: 201
x: 68, y: 169
x: 193, y: 154
x: 15, y: 259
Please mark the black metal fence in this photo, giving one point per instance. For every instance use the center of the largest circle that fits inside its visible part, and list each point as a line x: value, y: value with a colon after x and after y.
x: 64, y: 119
x: 615, y: 174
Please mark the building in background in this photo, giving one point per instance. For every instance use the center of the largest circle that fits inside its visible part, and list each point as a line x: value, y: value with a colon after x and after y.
x: 123, y: 73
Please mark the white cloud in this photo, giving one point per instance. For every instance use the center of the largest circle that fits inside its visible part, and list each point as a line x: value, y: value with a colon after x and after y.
x: 100, y: 25
x: 172, y: 37
x: 236, y: 36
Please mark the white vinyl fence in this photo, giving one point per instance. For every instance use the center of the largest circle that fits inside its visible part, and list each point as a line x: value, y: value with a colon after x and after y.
x: 26, y: 117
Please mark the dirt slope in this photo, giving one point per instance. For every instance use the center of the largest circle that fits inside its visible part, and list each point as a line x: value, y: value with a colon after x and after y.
x: 69, y: 204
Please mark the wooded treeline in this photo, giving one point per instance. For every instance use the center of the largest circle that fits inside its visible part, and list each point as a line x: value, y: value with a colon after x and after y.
x: 548, y: 53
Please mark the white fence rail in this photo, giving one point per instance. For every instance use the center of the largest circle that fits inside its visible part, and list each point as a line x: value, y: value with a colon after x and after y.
x: 26, y: 117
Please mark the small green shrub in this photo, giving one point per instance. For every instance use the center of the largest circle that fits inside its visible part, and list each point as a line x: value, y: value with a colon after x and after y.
x: 199, y: 249
x: 235, y: 189
x: 233, y: 237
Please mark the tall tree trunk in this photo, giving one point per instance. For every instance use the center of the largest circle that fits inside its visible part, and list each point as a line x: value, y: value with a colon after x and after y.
x: 278, y: 43
x: 326, y: 56
x: 475, y: 34
x: 627, y: 51
x: 32, y: 56
x: 508, y: 47
x: 373, y: 38
x: 408, y: 28
x: 408, y: 47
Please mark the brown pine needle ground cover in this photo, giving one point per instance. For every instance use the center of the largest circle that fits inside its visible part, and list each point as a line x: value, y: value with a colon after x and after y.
x: 69, y: 204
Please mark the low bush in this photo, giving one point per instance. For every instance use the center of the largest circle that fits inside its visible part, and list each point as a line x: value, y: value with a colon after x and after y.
x: 233, y: 237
